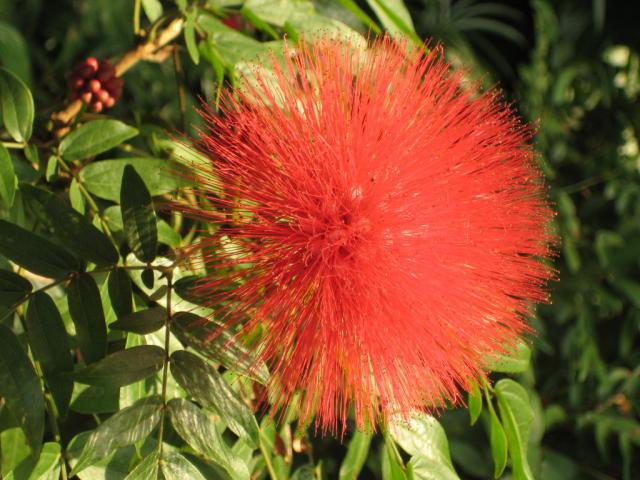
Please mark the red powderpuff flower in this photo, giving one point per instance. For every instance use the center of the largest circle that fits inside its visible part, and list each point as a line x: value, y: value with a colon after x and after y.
x: 379, y: 221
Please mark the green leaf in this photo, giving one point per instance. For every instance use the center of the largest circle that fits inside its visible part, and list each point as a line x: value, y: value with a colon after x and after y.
x: 305, y: 472
x: 49, y: 463
x: 394, y: 16
x: 194, y: 331
x: 424, y: 438
x: 206, y: 385
x: 50, y: 346
x: 114, y: 466
x: 16, y: 458
x: 200, y: 433
x: 138, y: 217
x: 152, y: 9
x: 392, y: 466
x: 13, y: 288
x: 8, y: 179
x: 20, y: 387
x: 123, y: 367
x: 120, y: 292
x: 515, y: 361
x: 517, y: 416
x: 357, y: 453
x: 177, y: 467
x: 360, y: 14
x: 14, y: 52
x: 35, y: 253
x: 126, y: 427
x: 85, y: 307
x: 75, y: 197
x: 190, y: 36
x: 276, y: 12
x: 498, y: 442
x: 95, y: 137
x: 475, y: 403
x: 315, y: 26
x: 147, y: 469
x: 93, y: 399
x: 72, y: 228
x: 104, y: 178
x: 141, y: 322
x: 51, y: 173
x: 133, y: 392
x: 16, y: 106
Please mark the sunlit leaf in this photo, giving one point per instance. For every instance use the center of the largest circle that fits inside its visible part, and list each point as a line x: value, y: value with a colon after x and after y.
x: 104, y: 178
x: 517, y: 416
x: 206, y: 385
x: 138, y: 217
x: 8, y: 179
x: 357, y: 452
x: 95, y: 137
x: 200, y: 433
x: 126, y: 427
x: 141, y: 322
x: 16, y: 106
x: 123, y: 367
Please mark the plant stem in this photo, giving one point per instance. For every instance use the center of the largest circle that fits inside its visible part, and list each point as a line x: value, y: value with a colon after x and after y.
x: 182, y: 104
x: 165, y: 366
x: 266, y: 456
x: 136, y: 17
x: 13, y: 145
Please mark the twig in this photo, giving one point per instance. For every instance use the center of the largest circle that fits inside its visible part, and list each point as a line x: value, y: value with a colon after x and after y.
x: 154, y: 50
x: 165, y: 366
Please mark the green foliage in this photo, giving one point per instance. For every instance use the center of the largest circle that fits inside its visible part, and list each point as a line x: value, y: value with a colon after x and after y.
x: 110, y: 369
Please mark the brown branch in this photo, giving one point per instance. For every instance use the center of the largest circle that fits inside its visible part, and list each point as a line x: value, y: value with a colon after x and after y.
x: 154, y: 51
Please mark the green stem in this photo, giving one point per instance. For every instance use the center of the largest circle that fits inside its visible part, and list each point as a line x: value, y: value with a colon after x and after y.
x: 165, y: 366
x: 267, y: 457
x: 136, y: 17
x: 182, y: 103
x: 13, y: 145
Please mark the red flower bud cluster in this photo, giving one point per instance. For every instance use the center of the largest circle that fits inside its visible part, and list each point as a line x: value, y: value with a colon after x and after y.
x: 95, y: 83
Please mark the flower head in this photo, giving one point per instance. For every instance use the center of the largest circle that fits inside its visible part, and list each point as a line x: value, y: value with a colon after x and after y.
x: 382, y: 222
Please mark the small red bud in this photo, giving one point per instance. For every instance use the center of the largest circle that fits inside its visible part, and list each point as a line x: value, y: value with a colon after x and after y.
x: 114, y: 83
x: 95, y: 85
x: 84, y: 71
x: 96, y: 106
x: 103, y: 95
x: 86, y: 97
x: 233, y: 21
x: 92, y: 63
x: 109, y: 102
x: 104, y: 75
x: 105, y: 71
x: 76, y: 82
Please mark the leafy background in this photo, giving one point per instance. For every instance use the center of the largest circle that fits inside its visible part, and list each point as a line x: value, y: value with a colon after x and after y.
x: 103, y: 373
